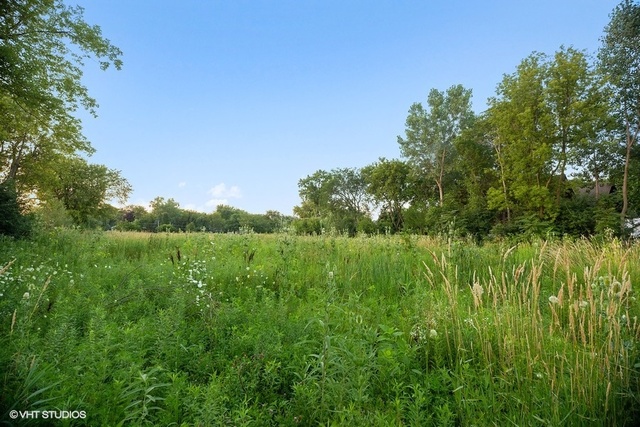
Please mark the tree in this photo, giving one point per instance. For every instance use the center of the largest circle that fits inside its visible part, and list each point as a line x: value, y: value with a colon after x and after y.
x: 315, y: 191
x: 165, y: 211
x: 85, y: 188
x: 43, y: 45
x: 389, y: 183
x: 337, y: 197
x: 579, y: 111
x: 430, y: 134
x: 523, y: 140
x: 619, y: 59
x: 476, y: 168
x: 349, y: 191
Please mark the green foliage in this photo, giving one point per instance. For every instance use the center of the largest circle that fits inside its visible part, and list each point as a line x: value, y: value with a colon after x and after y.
x: 168, y: 216
x: 559, y: 125
x: 338, y: 198
x: 50, y: 40
x: 85, y: 188
x: 44, y: 46
x: 389, y: 183
x: 12, y: 221
x: 431, y: 134
x: 619, y: 62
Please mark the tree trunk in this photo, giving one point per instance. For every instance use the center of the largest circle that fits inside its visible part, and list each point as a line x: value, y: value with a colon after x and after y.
x: 441, y: 178
x: 631, y: 139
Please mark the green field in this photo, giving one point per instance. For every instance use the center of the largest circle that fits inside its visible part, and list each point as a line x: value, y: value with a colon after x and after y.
x: 207, y: 329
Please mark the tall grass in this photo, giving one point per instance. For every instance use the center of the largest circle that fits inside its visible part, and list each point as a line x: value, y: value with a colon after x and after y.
x: 555, y: 346
x: 201, y: 329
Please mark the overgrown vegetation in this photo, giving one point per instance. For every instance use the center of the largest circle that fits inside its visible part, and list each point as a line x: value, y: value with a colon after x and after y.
x: 204, y: 329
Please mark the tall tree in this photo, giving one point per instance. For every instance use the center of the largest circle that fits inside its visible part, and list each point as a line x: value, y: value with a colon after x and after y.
x: 619, y: 58
x: 43, y: 47
x: 578, y: 109
x: 476, y: 169
x: 315, y: 191
x: 430, y: 133
x: 523, y: 139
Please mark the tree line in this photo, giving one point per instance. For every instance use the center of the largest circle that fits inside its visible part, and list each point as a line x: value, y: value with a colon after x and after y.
x: 165, y: 215
x: 555, y: 152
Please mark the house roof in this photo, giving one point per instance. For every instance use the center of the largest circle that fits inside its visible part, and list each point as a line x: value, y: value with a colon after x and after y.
x: 603, y: 189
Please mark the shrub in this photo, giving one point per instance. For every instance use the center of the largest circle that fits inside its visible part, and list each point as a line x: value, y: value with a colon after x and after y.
x: 12, y: 221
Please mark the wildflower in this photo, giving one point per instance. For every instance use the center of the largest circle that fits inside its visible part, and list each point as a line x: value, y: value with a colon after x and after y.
x: 433, y: 333
x: 26, y: 295
x: 583, y: 304
x: 199, y: 284
x: 553, y: 299
x: 331, y: 275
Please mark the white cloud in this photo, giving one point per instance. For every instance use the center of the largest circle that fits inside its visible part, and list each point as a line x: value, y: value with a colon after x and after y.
x: 141, y: 202
x: 221, y: 191
x: 182, y: 184
x: 213, y: 203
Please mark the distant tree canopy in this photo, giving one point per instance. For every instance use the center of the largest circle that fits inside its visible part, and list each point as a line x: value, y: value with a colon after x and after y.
x: 43, y: 47
x: 165, y: 215
x: 535, y: 162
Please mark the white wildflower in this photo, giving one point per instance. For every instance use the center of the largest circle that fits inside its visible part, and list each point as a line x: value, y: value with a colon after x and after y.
x: 553, y: 299
x: 583, y: 304
x: 433, y: 333
x: 26, y: 295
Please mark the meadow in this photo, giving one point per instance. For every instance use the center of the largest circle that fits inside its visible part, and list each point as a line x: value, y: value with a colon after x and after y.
x: 280, y: 330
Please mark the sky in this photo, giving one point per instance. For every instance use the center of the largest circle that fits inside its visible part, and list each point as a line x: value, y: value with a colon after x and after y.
x: 233, y: 102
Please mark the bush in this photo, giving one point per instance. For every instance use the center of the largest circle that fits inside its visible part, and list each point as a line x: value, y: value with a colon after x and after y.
x: 12, y: 221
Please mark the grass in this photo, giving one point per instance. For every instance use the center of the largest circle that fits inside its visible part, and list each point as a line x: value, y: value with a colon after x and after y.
x: 202, y: 329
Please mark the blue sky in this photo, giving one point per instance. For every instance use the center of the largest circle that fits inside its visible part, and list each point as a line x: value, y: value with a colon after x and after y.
x: 234, y: 101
